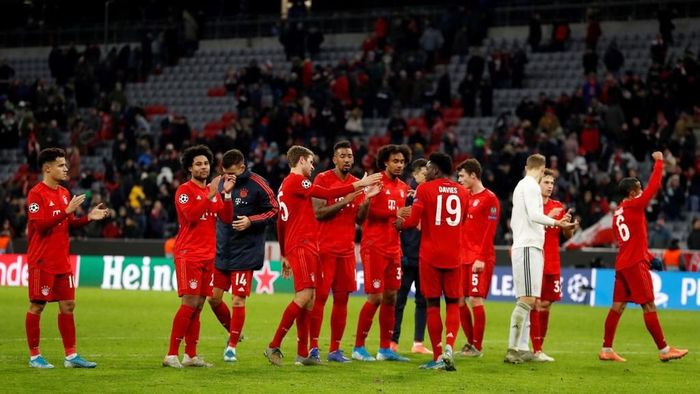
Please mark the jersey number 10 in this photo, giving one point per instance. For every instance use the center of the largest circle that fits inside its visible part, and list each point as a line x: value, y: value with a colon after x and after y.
x: 453, y: 208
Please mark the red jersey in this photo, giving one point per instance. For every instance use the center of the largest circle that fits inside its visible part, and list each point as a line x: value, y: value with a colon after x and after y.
x: 630, y: 224
x: 336, y: 235
x: 378, y: 230
x: 552, y: 257
x: 440, y: 206
x: 47, y: 228
x: 295, y: 224
x: 196, y: 216
x: 483, y: 210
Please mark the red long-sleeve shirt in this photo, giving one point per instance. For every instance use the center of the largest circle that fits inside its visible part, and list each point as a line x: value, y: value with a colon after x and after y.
x: 296, y: 223
x: 483, y: 210
x: 552, y: 257
x: 336, y: 235
x: 196, y: 216
x: 47, y: 228
x: 378, y: 230
x: 630, y: 224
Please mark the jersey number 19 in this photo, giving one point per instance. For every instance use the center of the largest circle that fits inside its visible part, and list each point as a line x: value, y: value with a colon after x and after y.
x: 453, y: 208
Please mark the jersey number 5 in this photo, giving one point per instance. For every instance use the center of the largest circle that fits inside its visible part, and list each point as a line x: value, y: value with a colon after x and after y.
x: 622, y: 228
x: 284, y: 212
x: 453, y: 209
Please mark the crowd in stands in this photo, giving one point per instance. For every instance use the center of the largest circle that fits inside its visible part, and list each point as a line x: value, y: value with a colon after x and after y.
x: 594, y: 136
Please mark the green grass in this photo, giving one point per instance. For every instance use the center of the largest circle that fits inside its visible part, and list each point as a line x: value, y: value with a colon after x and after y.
x: 126, y: 333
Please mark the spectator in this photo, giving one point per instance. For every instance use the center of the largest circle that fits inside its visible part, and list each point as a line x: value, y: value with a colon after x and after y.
x: 431, y: 41
x: 476, y: 66
x: 666, y: 26
x: 535, y: 33
x: 561, y: 33
x: 593, y: 31
x: 613, y: 58
x: 672, y: 257
x: 659, y: 47
x: 467, y: 91
x: 517, y: 63
x: 314, y: 41
x: 590, y: 62
x: 694, y: 236
x: 659, y: 234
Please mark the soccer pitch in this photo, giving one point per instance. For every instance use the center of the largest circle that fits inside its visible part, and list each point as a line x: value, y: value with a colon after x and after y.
x: 127, y: 332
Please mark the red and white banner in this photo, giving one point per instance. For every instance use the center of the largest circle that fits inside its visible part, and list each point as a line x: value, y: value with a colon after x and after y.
x: 14, y: 269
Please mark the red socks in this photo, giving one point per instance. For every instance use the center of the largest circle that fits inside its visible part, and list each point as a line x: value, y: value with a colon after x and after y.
x: 364, y: 322
x: 465, y: 317
x: 302, y: 321
x: 316, y: 319
x: 387, y: 316
x: 452, y: 319
x: 223, y: 315
x: 544, y: 323
x: 236, y: 324
x: 66, y: 326
x: 33, y: 329
x: 290, y: 314
x: 610, y: 327
x: 339, y: 317
x: 435, y: 330
x: 479, y: 325
x: 181, y: 323
x: 651, y: 320
x: 535, y: 331
x: 192, y: 334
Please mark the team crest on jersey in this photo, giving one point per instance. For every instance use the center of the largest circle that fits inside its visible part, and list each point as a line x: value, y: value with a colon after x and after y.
x: 243, y: 193
x: 306, y: 183
x: 376, y: 283
x: 183, y: 199
x: 45, y: 290
x: 33, y: 207
x: 193, y: 284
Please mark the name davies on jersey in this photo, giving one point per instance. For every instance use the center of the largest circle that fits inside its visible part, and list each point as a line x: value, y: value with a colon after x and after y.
x: 448, y: 189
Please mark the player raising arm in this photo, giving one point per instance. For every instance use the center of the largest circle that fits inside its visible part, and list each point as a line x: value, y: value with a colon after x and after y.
x: 632, y: 278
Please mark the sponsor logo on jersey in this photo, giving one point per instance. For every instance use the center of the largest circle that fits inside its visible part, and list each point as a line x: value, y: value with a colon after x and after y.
x: 33, y: 207
x: 183, y: 199
x: 51, y: 204
x: 475, y: 203
x: 65, y: 200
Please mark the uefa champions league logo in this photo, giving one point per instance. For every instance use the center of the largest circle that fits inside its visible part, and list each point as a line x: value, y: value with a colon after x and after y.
x: 660, y: 299
x: 576, y: 287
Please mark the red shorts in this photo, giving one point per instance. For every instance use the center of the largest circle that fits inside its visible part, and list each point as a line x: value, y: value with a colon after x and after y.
x: 434, y: 282
x: 476, y: 284
x: 238, y: 282
x: 306, y: 268
x: 44, y: 286
x: 194, y: 277
x: 381, y: 272
x: 551, y: 288
x: 338, y: 273
x: 633, y: 284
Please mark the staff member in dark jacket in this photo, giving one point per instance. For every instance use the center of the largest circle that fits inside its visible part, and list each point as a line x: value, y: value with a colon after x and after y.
x: 240, y: 248
x: 410, y: 243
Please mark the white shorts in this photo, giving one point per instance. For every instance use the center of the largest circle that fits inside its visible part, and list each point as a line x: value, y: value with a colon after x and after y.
x: 528, y: 265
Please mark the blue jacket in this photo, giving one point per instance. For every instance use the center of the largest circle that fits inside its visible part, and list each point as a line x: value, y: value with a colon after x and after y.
x: 410, y: 239
x: 245, y: 250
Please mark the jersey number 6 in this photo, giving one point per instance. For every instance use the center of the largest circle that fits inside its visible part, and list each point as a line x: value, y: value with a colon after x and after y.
x: 622, y: 228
